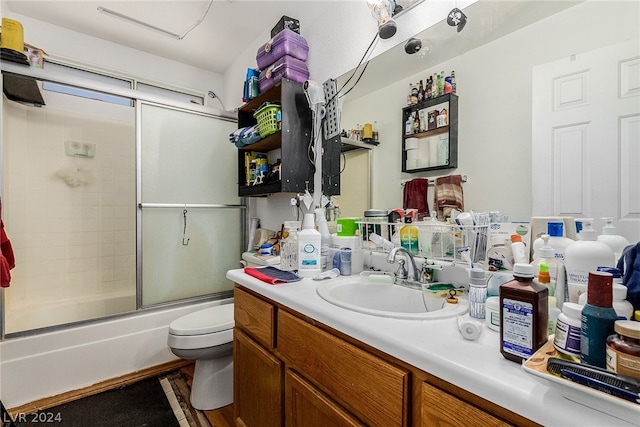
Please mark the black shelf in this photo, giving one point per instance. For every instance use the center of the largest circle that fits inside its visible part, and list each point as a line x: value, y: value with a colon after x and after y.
x: 451, y: 130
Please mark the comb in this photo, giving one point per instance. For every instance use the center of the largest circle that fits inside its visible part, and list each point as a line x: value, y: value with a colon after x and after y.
x: 597, y: 378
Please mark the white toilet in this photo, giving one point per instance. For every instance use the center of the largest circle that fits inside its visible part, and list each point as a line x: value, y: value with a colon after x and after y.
x: 206, y: 336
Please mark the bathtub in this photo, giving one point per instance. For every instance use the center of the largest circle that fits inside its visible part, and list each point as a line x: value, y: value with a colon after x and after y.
x: 44, y: 365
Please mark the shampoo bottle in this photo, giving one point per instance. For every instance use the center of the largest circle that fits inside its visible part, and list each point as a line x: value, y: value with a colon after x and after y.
x: 597, y: 320
x: 523, y: 314
x: 518, y: 250
x: 309, y: 244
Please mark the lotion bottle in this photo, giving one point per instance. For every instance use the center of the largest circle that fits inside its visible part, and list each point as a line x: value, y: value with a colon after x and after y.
x: 586, y: 255
x: 309, y: 247
x: 612, y: 239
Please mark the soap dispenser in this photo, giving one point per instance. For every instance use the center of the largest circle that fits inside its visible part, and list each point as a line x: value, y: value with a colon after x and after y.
x: 586, y: 255
x: 611, y: 238
x: 546, y: 255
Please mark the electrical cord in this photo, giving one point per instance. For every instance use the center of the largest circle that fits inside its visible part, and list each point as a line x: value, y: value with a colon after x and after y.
x: 366, y: 52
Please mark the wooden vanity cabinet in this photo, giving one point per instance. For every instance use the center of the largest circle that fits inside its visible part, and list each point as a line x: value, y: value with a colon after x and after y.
x: 292, y: 371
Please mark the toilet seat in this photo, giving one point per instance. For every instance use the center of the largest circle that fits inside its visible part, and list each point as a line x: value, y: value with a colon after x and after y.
x: 202, y: 322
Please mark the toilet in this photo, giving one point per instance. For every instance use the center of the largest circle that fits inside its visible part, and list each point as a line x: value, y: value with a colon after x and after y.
x: 206, y: 336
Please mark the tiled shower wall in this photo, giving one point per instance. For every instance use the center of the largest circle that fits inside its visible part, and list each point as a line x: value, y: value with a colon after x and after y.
x: 71, y: 220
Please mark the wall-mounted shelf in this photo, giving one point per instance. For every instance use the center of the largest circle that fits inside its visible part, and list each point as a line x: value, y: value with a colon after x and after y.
x: 431, y: 149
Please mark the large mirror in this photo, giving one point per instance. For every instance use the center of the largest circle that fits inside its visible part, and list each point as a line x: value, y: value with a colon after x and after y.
x: 500, y: 59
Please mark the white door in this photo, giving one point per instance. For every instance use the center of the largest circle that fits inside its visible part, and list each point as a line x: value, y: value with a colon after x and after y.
x: 586, y: 137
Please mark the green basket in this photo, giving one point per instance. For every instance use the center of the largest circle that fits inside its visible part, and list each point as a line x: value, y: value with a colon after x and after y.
x: 269, y: 119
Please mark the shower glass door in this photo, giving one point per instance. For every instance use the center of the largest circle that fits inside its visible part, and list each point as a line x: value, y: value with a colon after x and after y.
x: 189, y: 215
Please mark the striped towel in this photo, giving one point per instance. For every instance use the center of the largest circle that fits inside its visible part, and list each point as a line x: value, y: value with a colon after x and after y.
x: 448, y: 195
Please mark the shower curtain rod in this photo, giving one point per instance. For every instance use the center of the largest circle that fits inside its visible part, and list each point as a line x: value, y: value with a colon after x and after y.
x: 188, y: 205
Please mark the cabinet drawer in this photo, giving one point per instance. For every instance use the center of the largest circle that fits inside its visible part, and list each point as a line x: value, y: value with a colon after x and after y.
x: 440, y: 408
x: 372, y: 389
x: 255, y: 316
x: 309, y: 407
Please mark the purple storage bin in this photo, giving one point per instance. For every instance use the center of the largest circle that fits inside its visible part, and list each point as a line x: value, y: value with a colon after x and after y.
x: 286, y: 42
x: 287, y: 67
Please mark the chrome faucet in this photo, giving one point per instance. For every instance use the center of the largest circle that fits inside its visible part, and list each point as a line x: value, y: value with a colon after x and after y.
x: 413, y: 274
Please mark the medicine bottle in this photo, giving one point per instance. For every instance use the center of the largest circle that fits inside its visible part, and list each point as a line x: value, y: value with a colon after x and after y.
x: 598, y: 318
x: 477, y: 293
x: 524, y: 314
x: 623, y: 349
x: 567, y: 334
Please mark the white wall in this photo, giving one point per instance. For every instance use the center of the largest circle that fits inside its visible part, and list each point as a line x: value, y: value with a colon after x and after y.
x: 494, y: 85
x: 63, y: 43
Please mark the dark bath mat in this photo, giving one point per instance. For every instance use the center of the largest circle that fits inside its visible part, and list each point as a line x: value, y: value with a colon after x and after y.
x: 142, y: 404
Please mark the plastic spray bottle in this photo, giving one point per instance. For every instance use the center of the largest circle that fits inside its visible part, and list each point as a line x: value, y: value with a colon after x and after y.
x: 309, y: 246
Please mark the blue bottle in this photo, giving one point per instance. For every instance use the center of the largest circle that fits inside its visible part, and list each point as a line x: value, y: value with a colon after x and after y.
x: 598, y: 318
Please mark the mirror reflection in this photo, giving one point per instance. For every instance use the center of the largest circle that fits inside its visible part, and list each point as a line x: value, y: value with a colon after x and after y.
x: 508, y: 61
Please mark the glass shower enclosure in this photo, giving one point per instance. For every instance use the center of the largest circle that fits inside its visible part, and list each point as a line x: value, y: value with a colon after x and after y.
x: 115, y: 208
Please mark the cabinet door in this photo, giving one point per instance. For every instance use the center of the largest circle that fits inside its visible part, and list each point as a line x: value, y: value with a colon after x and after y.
x: 306, y: 406
x: 257, y: 388
x: 442, y: 409
x: 372, y: 389
x: 254, y: 316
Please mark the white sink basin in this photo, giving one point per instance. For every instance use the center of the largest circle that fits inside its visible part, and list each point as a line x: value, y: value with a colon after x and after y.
x: 385, y: 300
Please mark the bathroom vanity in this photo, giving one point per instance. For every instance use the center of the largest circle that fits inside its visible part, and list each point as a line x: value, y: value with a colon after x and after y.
x: 301, y: 361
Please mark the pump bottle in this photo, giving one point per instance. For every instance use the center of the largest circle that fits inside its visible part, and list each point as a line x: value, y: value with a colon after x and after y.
x: 586, y: 255
x: 555, y: 230
x: 611, y: 238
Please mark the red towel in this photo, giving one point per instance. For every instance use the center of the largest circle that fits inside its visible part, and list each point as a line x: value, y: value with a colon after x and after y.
x: 272, y: 275
x: 414, y: 196
x: 448, y: 195
x: 7, y: 259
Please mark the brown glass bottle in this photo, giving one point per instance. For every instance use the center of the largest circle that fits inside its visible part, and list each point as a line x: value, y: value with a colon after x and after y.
x: 524, y: 314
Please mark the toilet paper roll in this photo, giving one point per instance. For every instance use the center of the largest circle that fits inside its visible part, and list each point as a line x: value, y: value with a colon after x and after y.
x: 412, y: 163
x: 423, y: 163
x: 411, y: 143
x: 433, y: 153
x: 413, y: 154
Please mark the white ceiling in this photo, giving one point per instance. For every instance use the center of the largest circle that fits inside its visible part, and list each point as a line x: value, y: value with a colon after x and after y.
x: 223, y: 28
x: 228, y: 27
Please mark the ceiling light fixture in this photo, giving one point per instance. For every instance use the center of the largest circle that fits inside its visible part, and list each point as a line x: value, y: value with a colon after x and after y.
x: 142, y: 24
x: 457, y: 18
x: 383, y: 11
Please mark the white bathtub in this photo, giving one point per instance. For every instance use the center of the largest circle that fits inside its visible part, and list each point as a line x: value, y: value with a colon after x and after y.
x: 39, y: 366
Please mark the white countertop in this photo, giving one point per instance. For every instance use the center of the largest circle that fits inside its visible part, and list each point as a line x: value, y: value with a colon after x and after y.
x: 436, y: 347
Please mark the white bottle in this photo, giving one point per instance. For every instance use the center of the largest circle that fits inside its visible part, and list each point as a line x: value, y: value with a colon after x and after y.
x: 611, y: 238
x: 289, y: 247
x: 477, y: 293
x: 325, y: 236
x: 586, y: 254
x: 518, y: 250
x: 309, y: 247
x: 546, y: 254
x: 555, y: 230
